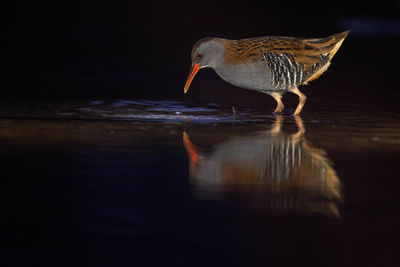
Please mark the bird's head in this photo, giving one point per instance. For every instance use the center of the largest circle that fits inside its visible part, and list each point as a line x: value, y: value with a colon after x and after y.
x: 206, y: 53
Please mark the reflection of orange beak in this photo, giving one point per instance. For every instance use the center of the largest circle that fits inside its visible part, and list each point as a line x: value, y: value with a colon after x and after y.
x: 192, y: 73
x: 190, y: 148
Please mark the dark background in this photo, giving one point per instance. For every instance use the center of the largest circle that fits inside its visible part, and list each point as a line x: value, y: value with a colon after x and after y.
x: 64, y: 49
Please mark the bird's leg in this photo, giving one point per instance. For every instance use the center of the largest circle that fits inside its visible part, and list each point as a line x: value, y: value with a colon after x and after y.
x: 277, y: 125
x: 300, y: 126
x: 302, y: 100
x: 278, y: 97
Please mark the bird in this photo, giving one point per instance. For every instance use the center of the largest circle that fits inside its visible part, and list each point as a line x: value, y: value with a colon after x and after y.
x: 271, y: 64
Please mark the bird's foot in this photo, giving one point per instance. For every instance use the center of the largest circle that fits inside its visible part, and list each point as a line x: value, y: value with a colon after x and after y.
x: 279, y: 108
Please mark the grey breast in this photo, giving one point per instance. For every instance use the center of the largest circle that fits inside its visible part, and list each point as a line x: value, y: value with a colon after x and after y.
x: 274, y: 72
x: 246, y: 75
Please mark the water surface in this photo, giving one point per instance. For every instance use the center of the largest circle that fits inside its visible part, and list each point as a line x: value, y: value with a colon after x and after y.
x: 164, y: 182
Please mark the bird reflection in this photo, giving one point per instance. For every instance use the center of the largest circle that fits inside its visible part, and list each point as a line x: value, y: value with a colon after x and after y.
x: 279, y: 171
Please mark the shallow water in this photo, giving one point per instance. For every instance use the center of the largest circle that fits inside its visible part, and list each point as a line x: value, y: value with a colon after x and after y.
x: 158, y: 182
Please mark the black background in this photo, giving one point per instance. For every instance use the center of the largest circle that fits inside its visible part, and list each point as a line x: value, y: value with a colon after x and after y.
x: 64, y: 49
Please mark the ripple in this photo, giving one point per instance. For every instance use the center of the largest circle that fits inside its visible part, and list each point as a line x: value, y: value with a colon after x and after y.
x: 163, y: 110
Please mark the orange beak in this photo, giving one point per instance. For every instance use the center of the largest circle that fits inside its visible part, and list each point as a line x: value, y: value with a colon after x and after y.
x: 192, y: 73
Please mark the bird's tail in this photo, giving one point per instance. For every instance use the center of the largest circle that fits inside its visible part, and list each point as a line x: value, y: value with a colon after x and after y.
x: 328, y: 45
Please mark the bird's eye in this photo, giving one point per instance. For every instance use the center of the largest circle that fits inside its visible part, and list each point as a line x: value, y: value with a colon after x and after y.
x: 199, y: 55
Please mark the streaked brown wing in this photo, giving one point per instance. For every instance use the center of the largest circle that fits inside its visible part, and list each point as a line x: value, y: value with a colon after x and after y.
x: 312, y: 55
x: 306, y: 52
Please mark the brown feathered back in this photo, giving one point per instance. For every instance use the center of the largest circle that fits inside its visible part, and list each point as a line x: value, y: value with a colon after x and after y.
x: 313, y: 55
